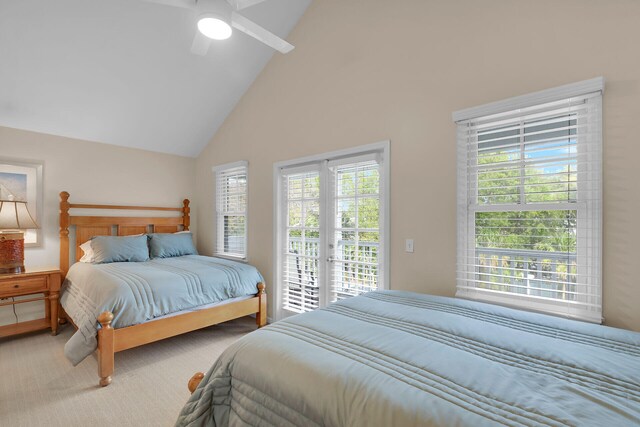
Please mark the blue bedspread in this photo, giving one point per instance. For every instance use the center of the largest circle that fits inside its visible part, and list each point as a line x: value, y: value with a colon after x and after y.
x: 402, y: 359
x: 136, y: 292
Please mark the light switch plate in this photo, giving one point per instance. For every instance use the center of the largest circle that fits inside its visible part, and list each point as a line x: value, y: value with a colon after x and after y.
x: 408, y: 245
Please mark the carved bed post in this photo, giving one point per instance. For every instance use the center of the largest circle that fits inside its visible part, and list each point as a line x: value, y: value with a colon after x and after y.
x: 64, y: 233
x: 194, y: 382
x: 261, y: 315
x: 105, y: 348
x: 186, y: 219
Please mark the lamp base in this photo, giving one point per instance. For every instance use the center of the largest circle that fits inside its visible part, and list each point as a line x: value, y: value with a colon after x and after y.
x: 12, y: 270
x: 11, y: 252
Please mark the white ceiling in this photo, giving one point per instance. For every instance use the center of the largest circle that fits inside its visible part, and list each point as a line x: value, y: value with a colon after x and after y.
x: 120, y: 71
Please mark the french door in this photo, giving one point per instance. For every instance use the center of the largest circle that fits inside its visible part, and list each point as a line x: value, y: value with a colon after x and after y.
x: 331, y: 216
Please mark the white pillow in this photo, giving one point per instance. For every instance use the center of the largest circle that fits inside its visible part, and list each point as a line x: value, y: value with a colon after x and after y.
x: 88, y: 252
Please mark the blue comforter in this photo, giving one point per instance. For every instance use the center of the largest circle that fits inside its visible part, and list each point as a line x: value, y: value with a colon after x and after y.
x: 136, y: 292
x: 402, y: 359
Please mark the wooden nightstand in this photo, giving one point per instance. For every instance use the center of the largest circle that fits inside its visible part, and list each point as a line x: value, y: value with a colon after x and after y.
x: 31, y: 282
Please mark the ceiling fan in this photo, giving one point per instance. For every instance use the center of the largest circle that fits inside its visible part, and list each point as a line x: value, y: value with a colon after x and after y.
x: 216, y: 19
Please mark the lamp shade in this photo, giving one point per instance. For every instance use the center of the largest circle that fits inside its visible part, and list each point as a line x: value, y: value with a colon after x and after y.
x: 14, y: 215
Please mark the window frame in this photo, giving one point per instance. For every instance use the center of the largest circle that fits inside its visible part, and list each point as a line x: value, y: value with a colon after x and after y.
x: 220, y: 215
x: 591, y: 209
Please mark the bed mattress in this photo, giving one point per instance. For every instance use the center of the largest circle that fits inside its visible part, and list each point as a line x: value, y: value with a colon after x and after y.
x: 402, y: 359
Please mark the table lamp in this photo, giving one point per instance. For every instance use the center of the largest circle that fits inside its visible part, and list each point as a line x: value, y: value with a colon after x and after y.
x: 14, y: 217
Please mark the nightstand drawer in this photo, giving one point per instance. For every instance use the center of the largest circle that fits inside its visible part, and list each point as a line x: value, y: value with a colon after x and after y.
x: 26, y: 285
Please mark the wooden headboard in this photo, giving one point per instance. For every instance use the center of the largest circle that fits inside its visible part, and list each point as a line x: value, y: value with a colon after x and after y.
x: 87, y: 226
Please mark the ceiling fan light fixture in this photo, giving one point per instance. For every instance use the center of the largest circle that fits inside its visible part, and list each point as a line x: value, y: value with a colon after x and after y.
x: 214, y: 27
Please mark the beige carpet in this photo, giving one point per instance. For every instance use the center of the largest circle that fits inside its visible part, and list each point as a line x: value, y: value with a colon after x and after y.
x: 39, y: 387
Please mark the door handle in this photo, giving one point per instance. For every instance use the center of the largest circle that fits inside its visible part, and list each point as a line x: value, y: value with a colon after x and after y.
x: 330, y: 259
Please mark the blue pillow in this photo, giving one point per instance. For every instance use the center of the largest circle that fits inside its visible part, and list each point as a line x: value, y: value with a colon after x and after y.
x: 165, y: 245
x: 119, y: 249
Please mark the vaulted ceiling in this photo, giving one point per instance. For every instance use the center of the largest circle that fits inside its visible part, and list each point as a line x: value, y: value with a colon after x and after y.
x: 120, y: 71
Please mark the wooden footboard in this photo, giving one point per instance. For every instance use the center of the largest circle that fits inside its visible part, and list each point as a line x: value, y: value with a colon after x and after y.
x: 111, y: 341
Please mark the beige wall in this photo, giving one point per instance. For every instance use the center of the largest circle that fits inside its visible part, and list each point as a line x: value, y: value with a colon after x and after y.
x: 92, y: 173
x: 368, y: 70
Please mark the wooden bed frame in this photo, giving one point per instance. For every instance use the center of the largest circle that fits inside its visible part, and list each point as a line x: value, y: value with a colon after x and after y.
x: 112, y: 340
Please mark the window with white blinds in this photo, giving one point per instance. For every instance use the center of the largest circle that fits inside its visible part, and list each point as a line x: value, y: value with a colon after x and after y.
x: 355, y: 243
x: 331, y: 217
x: 300, y: 263
x: 529, y: 207
x: 231, y: 210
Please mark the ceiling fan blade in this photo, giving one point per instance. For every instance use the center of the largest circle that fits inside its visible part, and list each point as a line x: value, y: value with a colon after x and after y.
x: 200, y: 44
x: 243, y: 4
x: 256, y: 31
x: 184, y: 4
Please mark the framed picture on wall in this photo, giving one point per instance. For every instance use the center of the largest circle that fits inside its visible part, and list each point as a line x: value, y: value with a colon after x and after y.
x: 22, y: 180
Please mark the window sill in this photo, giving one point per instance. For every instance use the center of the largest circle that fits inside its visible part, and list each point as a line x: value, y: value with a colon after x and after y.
x: 231, y: 257
x: 558, y: 308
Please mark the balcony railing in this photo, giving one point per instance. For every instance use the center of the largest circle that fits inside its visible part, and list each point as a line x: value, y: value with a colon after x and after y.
x: 357, y: 271
x: 536, y: 273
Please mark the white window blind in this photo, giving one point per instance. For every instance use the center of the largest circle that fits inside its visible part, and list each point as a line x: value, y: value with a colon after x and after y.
x: 355, y: 246
x: 231, y: 210
x: 530, y: 207
x: 301, y: 223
